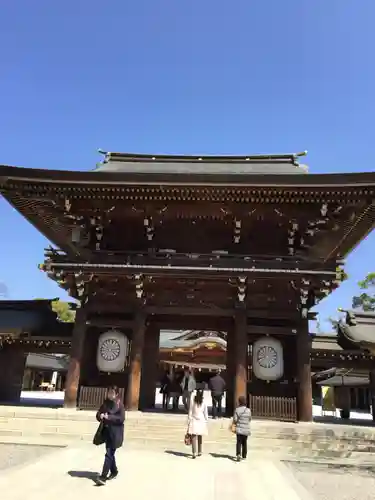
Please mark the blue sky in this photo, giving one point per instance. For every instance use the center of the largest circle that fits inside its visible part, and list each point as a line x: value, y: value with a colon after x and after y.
x: 208, y: 77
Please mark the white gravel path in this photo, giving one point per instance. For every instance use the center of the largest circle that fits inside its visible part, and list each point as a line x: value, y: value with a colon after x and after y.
x: 335, y: 483
x: 12, y: 455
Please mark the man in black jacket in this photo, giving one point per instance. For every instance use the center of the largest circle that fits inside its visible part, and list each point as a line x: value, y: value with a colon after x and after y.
x: 112, y: 417
x: 217, y: 388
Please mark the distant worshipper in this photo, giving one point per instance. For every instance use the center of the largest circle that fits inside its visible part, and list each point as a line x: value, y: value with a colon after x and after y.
x: 216, y: 385
x: 188, y: 386
x: 111, y: 418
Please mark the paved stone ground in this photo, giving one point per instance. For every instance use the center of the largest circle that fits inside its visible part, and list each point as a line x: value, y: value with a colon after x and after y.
x: 335, y: 483
x: 145, y: 474
x: 16, y: 454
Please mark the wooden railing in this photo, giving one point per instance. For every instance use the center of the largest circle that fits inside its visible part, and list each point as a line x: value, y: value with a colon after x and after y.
x: 90, y: 398
x: 274, y: 408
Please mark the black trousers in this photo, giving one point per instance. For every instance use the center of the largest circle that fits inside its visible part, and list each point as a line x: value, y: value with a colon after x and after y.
x: 241, y: 446
x: 165, y: 400
x: 109, y: 465
x: 217, y: 400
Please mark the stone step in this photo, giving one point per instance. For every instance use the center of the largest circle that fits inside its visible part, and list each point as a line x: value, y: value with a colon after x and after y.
x: 149, y: 420
x: 354, y: 459
x: 292, y: 448
x: 22, y: 426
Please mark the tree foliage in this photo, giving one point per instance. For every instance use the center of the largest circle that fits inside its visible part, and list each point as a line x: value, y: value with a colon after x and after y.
x: 366, y: 299
x: 63, y: 310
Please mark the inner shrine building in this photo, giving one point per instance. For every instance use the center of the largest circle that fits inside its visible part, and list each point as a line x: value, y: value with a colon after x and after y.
x: 241, y: 245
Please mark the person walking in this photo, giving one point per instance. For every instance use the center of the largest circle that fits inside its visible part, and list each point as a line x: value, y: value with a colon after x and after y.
x: 174, y: 392
x: 197, y: 422
x: 111, y: 415
x: 188, y: 386
x: 216, y: 385
x: 241, y: 423
x: 165, y: 387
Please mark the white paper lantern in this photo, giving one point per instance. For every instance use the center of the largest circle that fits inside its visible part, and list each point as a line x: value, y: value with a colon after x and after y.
x: 112, y: 351
x: 268, y: 359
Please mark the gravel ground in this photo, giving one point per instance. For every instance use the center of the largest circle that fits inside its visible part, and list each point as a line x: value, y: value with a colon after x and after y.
x: 16, y: 454
x: 335, y: 483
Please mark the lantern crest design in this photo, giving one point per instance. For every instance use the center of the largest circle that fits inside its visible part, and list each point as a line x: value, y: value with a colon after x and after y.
x: 112, y: 351
x: 268, y: 359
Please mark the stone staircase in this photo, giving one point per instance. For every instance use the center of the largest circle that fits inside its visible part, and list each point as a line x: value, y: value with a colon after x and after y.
x: 323, y: 442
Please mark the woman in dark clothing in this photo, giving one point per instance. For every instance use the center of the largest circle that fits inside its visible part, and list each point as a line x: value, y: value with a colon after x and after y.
x: 112, y: 414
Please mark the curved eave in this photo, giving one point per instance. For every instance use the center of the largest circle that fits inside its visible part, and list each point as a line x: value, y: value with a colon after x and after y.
x: 357, y: 336
x: 25, y: 175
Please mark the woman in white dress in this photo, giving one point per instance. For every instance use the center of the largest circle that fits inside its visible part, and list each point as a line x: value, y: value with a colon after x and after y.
x: 197, y: 422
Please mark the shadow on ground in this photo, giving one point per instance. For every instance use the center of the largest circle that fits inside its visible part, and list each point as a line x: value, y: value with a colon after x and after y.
x: 221, y: 455
x: 84, y: 474
x: 177, y: 453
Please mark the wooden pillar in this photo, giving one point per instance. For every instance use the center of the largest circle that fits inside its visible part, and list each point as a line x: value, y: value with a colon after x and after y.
x: 372, y: 392
x: 135, y: 368
x: 343, y: 401
x: 150, y: 368
x: 230, y: 372
x: 12, y: 367
x: 76, y: 355
x: 241, y: 357
x: 304, y: 394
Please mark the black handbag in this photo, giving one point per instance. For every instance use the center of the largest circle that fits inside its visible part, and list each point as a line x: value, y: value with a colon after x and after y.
x: 99, y: 435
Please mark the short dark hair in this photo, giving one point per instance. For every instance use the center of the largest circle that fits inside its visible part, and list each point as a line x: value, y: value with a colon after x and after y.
x: 242, y: 401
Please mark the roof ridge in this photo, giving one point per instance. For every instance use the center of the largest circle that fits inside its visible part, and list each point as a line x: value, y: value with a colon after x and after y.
x: 258, y: 158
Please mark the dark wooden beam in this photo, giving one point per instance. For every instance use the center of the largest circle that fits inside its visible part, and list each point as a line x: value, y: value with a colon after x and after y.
x: 270, y: 330
x: 189, y: 311
x: 112, y: 322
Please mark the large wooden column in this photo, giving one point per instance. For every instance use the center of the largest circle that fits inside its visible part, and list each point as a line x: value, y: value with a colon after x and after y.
x: 230, y: 372
x: 135, y: 368
x: 241, y: 356
x: 76, y: 355
x: 150, y: 368
x: 304, y: 395
x: 372, y: 392
x: 12, y: 367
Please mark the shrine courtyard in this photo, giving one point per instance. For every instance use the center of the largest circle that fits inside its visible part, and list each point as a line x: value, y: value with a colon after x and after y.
x: 52, y: 473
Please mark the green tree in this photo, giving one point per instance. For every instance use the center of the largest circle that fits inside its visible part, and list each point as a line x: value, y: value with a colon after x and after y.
x: 63, y: 310
x: 366, y: 299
